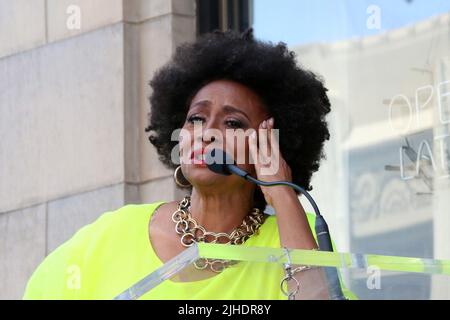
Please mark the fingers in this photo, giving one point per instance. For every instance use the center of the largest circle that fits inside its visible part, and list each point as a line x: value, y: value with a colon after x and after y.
x: 263, y: 146
x: 263, y: 143
x: 265, y: 153
x: 269, y: 141
x: 253, y: 148
x: 273, y: 140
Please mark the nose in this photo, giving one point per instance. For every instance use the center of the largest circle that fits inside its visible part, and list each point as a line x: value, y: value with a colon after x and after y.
x: 211, y: 139
x: 210, y: 133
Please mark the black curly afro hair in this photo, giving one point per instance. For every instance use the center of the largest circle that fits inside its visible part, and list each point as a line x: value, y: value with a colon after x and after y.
x: 295, y: 97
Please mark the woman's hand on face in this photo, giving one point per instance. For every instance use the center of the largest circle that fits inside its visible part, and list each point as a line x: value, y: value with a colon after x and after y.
x: 269, y: 163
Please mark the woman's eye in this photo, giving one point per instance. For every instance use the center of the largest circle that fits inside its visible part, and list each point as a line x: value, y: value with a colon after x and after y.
x: 194, y: 119
x: 234, y: 123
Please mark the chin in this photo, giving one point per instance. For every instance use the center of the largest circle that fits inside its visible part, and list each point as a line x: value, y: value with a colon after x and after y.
x: 203, y: 176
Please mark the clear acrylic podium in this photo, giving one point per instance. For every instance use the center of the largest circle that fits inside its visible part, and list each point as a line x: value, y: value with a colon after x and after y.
x: 362, y: 276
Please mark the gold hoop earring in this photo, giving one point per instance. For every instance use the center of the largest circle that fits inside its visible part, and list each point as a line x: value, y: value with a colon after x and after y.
x: 180, y: 181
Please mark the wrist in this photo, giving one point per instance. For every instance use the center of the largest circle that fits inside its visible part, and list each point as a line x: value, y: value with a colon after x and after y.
x: 281, y: 194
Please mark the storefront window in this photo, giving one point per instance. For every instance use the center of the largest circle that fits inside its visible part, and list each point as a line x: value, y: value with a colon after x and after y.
x: 387, y: 67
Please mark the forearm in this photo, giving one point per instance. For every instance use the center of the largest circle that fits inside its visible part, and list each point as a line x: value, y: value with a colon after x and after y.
x: 295, y: 233
x: 293, y: 225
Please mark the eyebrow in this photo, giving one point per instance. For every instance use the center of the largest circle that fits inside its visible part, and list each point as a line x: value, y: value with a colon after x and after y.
x: 227, y: 108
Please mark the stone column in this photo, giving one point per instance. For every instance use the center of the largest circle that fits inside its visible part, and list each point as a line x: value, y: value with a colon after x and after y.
x: 73, y: 107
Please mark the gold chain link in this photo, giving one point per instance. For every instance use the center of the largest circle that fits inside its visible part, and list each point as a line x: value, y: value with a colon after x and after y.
x: 191, y: 232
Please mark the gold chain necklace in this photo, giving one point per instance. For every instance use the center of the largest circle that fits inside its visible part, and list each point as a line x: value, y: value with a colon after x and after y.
x: 191, y: 232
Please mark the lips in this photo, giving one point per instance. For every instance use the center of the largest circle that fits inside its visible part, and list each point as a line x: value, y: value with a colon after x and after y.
x: 198, y: 157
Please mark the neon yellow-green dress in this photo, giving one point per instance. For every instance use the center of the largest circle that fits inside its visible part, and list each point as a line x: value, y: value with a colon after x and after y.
x: 110, y: 255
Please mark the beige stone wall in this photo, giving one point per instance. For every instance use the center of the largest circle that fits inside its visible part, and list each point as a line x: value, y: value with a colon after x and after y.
x: 73, y: 108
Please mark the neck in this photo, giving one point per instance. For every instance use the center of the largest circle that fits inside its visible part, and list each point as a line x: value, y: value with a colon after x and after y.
x: 221, y: 212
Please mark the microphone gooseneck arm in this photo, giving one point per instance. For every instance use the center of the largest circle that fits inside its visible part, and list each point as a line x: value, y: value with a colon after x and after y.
x: 321, y: 227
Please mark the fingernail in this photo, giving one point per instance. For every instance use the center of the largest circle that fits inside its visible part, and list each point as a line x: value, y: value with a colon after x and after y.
x: 271, y: 121
x: 264, y: 124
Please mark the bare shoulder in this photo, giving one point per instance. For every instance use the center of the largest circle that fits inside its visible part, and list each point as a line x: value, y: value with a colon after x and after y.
x: 163, y: 238
x: 164, y: 212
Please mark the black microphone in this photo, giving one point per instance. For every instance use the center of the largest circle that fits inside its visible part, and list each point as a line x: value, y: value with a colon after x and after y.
x: 220, y: 162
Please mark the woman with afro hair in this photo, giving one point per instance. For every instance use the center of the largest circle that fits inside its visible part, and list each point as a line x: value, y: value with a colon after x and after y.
x: 222, y: 88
